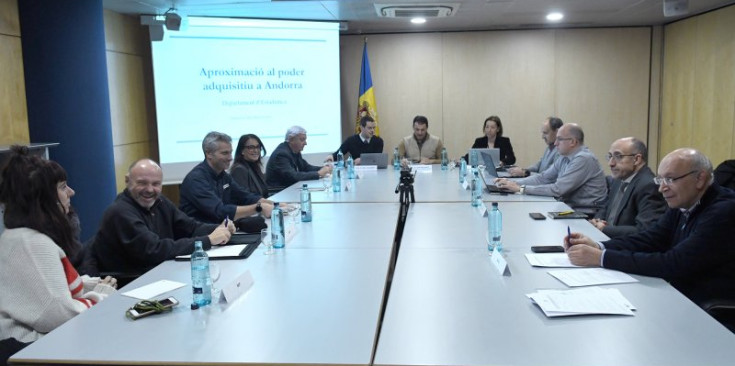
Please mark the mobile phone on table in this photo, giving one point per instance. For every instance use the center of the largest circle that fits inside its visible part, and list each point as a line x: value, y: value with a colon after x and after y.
x: 547, y: 249
x: 168, y: 303
x: 537, y: 216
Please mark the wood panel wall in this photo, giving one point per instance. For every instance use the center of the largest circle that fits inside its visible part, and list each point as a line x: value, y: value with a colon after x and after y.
x: 698, y: 90
x: 131, y: 92
x: 598, y: 78
x: 13, y: 111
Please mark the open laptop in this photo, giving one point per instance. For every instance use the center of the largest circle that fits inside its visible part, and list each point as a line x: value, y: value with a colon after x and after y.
x: 489, y: 179
x: 488, y: 160
x: 494, y: 152
x: 379, y: 159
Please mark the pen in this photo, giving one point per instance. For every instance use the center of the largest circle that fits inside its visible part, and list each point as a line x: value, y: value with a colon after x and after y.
x: 569, y: 234
x: 563, y: 213
x: 227, y: 220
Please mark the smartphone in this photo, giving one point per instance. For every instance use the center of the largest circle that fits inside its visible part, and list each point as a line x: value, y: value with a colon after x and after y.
x: 537, y: 216
x: 167, y: 303
x: 547, y: 249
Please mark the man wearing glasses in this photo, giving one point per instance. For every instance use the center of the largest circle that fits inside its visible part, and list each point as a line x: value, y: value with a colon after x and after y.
x: 576, y: 177
x: 691, y: 246
x: 633, y: 201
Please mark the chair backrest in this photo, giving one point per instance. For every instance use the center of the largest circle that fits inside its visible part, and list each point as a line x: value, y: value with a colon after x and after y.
x: 725, y: 174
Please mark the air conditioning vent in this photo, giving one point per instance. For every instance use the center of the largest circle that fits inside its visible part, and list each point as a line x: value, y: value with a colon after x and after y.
x: 418, y: 10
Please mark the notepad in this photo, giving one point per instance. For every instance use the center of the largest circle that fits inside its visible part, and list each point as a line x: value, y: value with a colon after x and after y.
x: 238, y: 251
x: 560, y: 215
x: 582, y: 301
x: 591, y: 277
x: 549, y: 260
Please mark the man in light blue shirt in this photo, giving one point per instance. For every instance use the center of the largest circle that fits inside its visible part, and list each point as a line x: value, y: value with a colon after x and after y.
x: 576, y: 177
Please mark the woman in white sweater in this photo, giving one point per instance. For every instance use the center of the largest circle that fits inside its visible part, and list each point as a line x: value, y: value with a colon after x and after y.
x: 40, y: 288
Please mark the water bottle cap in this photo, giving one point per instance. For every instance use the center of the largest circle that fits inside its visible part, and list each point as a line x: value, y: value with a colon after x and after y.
x: 495, y: 204
x: 194, y: 306
x: 305, y: 186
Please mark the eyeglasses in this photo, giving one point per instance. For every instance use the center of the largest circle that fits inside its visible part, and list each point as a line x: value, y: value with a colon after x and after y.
x: 252, y: 147
x: 669, y: 181
x: 562, y: 139
x: 617, y: 156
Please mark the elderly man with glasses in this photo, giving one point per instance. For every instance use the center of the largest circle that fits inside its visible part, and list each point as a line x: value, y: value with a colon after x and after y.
x: 691, y: 246
x: 576, y: 177
x: 634, y: 202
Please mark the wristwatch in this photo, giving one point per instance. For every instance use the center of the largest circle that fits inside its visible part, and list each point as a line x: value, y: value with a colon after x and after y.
x: 523, y: 189
x: 258, y: 208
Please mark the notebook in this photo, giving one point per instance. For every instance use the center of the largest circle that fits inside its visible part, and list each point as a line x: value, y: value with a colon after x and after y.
x: 379, y: 159
x: 236, y: 251
x: 558, y: 215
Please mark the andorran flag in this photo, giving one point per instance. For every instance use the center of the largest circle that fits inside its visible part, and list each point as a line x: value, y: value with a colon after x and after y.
x: 366, y: 103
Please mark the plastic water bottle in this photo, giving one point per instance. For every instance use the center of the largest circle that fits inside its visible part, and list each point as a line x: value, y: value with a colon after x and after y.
x: 476, y: 199
x: 350, y: 168
x: 305, y: 204
x: 473, y: 157
x: 494, y: 228
x: 340, y: 159
x: 445, y: 159
x: 201, y: 282
x: 396, y: 160
x: 462, y: 170
x: 337, y: 180
x: 278, y: 230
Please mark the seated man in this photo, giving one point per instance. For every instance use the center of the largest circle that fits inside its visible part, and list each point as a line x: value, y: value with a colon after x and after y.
x: 142, y: 228
x: 576, y: 176
x: 363, y: 142
x: 209, y: 194
x: 691, y: 246
x: 286, y: 166
x: 634, y: 202
x: 548, y: 134
x: 421, y: 147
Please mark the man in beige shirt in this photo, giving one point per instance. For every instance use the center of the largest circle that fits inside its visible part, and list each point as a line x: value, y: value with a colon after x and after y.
x: 421, y: 147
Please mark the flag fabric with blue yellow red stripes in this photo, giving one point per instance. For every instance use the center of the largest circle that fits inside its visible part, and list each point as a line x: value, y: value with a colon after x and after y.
x: 366, y: 102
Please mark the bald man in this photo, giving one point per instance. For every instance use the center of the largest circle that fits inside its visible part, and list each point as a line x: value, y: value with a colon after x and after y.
x: 142, y: 228
x: 691, y: 246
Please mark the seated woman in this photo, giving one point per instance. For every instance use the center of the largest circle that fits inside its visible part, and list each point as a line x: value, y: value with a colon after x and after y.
x: 247, y: 170
x: 493, y: 138
x: 41, y: 289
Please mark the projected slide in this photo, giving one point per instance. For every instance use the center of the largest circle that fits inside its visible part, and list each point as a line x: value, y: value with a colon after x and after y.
x: 243, y: 76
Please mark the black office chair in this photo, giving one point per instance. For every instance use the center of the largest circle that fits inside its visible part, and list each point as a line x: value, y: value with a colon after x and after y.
x: 9, y: 347
x: 722, y: 310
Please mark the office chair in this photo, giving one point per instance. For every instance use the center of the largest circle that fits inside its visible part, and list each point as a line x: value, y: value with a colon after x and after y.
x: 722, y: 310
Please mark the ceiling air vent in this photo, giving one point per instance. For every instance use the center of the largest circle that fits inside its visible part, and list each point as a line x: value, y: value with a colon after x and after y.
x: 416, y: 10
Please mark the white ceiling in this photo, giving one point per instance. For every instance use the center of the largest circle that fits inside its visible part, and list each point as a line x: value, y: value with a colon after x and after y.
x: 361, y: 16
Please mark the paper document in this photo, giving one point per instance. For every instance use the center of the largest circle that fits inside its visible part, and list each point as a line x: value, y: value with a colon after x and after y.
x: 221, y: 251
x: 549, y: 260
x: 421, y: 168
x: 154, y: 289
x: 582, y: 301
x: 591, y: 276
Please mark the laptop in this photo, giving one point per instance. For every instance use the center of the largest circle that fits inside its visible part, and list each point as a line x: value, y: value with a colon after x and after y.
x: 489, y: 161
x: 379, y: 159
x: 494, y: 152
x: 489, y: 181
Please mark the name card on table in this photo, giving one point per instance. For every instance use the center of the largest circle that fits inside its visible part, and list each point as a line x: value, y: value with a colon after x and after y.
x: 422, y: 168
x: 482, y: 210
x: 237, y: 287
x: 499, y: 262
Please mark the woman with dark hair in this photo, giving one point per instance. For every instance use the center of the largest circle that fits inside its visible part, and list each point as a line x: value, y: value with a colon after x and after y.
x: 493, y: 130
x: 247, y: 170
x: 41, y: 289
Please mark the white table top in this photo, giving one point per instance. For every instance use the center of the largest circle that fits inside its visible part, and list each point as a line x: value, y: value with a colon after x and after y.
x: 380, y: 185
x: 451, y: 307
x: 284, y: 318
x: 459, y: 225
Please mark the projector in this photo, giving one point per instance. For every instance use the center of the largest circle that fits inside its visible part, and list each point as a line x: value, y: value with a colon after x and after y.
x: 173, y: 21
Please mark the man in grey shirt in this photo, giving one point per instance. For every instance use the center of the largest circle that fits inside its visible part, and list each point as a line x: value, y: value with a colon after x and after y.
x: 576, y: 177
x: 548, y: 134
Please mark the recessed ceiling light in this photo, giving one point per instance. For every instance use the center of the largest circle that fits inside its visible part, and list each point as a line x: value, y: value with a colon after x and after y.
x: 555, y: 16
x: 418, y: 20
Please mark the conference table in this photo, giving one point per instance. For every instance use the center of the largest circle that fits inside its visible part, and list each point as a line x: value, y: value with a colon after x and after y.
x: 380, y: 186
x: 347, y: 291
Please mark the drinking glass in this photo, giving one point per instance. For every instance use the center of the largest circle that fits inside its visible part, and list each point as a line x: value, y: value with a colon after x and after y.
x: 327, y: 182
x: 265, y: 238
x: 214, y: 273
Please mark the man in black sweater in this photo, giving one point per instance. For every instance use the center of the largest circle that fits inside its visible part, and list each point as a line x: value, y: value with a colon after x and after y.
x: 363, y: 142
x: 142, y: 228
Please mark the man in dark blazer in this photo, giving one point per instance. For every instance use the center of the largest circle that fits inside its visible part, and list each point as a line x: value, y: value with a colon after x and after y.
x: 286, y: 166
x: 692, y: 245
x: 363, y: 142
x: 634, y: 202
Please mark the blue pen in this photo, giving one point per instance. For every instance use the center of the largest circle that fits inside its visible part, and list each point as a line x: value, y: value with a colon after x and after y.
x: 569, y: 235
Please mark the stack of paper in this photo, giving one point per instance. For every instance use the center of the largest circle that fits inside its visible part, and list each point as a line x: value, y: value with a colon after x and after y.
x: 583, y: 301
x: 549, y: 260
x: 591, y: 276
